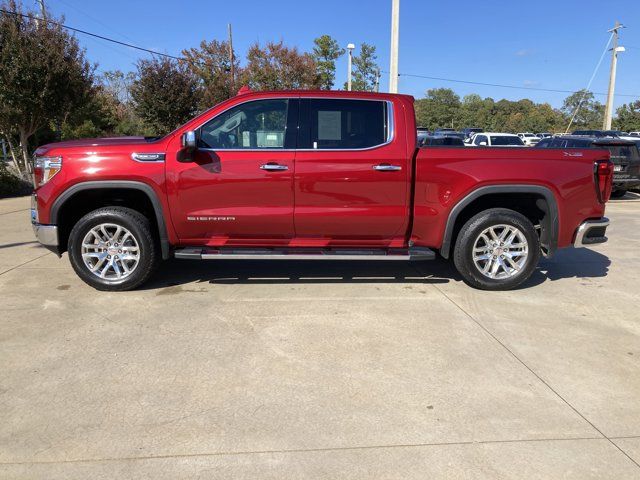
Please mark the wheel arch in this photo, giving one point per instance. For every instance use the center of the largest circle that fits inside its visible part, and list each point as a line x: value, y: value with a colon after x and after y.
x: 542, y: 196
x: 120, y: 185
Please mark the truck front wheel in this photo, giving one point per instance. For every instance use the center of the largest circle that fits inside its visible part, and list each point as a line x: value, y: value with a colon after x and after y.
x: 497, y: 249
x: 113, y: 249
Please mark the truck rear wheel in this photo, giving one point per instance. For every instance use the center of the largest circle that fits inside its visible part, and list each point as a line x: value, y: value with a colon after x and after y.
x: 113, y: 249
x: 497, y: 249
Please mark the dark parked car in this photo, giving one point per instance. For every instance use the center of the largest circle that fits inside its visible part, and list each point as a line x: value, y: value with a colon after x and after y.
x: 599, y: 133
x: 624, y: 154
x: 431, y: 141
x: 449, y: 133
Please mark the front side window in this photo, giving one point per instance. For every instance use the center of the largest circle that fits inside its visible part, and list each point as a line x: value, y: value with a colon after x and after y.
x: 479, y: 139
x: 253, y: 125
x: 337, y: 124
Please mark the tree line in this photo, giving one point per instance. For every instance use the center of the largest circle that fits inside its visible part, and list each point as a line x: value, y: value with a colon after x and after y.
x: 442, y: 107
x: 50, y: 91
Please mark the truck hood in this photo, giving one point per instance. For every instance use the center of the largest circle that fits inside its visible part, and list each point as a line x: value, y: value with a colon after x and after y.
x: 96, y: 142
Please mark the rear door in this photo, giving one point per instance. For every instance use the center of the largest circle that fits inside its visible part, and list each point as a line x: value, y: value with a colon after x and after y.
x: 352, y: 172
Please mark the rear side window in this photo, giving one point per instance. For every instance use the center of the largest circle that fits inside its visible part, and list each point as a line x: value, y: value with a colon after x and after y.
x: 336, y: 124
x: 506, y: 141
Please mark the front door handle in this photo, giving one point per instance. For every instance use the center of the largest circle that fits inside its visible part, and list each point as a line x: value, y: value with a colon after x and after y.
x: 385, y: 167
x: 272, y: 166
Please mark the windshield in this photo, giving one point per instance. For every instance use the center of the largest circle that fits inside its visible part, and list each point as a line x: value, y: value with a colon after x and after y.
x: 505, y: 141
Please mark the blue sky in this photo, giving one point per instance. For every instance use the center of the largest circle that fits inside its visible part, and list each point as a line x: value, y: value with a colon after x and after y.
x: 543, y: 43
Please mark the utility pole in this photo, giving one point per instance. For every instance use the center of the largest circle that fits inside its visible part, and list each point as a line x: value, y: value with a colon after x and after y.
x: 43, y: 12
x: 232, y: 63
x: 395, y: 33
x: 350, y: 48
x: 377, y: 80
x: 608, y: 112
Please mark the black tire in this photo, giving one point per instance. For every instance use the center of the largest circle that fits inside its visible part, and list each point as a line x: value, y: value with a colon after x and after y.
x: 139, y: 227
x: 470, y: 233
x: 618, y: 193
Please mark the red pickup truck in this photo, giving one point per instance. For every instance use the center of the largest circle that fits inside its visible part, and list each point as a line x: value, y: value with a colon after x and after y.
x: 318, y: 176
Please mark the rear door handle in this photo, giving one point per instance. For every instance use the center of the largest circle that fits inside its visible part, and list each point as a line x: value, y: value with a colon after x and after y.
x: 385, y: 167
x: 272, y: 166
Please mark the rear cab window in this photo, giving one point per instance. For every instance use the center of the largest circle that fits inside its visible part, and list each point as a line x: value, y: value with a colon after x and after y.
x: 344, y: 124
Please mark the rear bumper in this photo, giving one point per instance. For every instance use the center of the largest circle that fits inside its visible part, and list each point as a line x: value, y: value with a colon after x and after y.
x: 591, y: 232
x: 626, y: 182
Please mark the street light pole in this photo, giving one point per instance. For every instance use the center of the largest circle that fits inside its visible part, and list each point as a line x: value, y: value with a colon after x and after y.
x: 395, y: 34
x: 608, y: 112
x: 350, y: 48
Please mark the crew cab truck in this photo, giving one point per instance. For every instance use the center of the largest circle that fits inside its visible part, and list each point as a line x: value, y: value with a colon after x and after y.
x: 318, y: 176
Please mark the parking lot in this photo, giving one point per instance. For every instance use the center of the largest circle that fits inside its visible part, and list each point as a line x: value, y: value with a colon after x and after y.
x: 321, y: 370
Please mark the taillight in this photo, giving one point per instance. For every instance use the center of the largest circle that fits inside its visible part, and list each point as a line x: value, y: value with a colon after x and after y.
x: 604, y: 179
x: 44, y: 169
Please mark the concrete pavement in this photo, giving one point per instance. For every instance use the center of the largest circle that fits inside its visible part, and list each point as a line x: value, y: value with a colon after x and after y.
x: 321, y: 370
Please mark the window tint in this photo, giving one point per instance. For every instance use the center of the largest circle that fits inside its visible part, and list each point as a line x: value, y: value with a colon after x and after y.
x: 558, y: 143
x: 624, y: 153
x: 346, y: 124
x: 480, y: 138
x: 251, y: 125
x: 506, y: 141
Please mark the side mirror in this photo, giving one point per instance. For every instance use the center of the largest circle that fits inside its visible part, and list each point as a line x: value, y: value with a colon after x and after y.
x: 483, y: 144
x: 189, y: 140
x: 189, y: 145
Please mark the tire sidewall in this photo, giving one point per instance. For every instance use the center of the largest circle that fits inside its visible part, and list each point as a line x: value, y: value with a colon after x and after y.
x: 132, y: 221
x: 463, y: 255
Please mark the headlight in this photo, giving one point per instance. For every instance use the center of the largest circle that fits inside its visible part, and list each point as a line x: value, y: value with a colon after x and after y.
x: 44, y: 169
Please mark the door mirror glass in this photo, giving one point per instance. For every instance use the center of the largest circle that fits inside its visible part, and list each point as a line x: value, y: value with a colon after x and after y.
x: 189, y: 140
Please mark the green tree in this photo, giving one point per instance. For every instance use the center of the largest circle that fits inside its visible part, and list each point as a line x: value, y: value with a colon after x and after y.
x: 440, y: 108
x: 44, y: 77
x: 589, y: 115
x: 628, y: 117
x: 325, y: 53
x: 165, y: 93
x: 211, y: 65
x: 365, y: 69
x: 277, y: 67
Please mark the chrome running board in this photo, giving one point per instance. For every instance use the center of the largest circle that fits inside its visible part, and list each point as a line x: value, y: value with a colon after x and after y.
x: 228, y: 253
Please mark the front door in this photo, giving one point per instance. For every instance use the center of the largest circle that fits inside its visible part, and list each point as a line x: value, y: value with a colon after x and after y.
x: 352, y: 173
x: 238, y: 191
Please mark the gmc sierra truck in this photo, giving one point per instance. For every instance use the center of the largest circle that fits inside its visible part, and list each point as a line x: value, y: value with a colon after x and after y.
x: 316, y: 176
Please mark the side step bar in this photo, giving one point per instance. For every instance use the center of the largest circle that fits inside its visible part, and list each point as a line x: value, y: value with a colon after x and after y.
x: 396, y: 254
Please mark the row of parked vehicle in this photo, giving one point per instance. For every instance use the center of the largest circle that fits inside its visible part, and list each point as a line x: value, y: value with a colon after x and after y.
x: 624, y: 147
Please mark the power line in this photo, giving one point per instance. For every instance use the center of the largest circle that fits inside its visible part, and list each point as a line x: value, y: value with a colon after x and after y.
x: 182, y: 59
x: 95, y: 35
x: 500, y: 85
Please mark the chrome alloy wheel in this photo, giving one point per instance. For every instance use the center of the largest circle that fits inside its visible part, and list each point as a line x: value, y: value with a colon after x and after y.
x: 500, y: 251
x: 110, y: 252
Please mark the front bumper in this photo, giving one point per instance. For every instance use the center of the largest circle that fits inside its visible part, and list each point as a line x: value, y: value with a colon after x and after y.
x: 591, y: 232
x: 47, y: 235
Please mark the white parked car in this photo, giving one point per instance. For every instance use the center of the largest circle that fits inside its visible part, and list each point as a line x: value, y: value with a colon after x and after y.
x: 634, y: 134
x: 491, y: 139
x: 529, y: 139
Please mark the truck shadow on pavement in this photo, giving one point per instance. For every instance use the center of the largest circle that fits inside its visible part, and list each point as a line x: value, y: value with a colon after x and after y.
x: 568, y: 263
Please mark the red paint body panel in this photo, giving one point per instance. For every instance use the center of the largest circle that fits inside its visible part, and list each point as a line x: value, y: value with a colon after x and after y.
x: 325, y: 198
x: 444, y: 176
